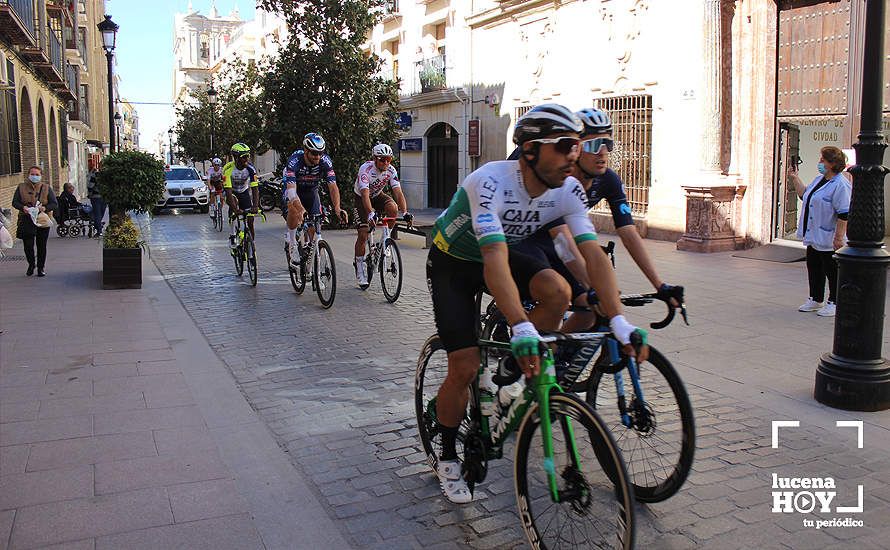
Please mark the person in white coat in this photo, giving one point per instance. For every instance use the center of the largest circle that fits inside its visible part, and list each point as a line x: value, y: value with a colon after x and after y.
x: 822, y: 225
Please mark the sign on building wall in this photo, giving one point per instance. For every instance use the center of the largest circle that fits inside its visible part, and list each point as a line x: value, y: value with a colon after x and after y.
x: 473, y: 137
x: 411, y: 144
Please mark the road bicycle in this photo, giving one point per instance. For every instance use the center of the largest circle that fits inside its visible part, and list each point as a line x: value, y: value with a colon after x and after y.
x: 385, y: 257
x: 244, y: 251
x: 654, y: 425
x: 570, y: 483
x: 216, y: 210
x: 318, y: 251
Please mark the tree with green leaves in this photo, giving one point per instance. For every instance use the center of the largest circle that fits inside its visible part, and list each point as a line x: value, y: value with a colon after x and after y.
x: 238, y: 116
x: 322, y: 81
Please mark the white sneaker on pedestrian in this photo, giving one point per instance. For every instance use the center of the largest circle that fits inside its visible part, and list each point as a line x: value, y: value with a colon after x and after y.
x: 360, y: 272
x: 828, y: 310
x: 294, y: 255
x: 453, y: 485
x: 810, y: 305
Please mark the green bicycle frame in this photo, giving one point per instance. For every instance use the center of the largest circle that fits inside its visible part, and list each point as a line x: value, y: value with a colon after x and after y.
x: 538, y: 389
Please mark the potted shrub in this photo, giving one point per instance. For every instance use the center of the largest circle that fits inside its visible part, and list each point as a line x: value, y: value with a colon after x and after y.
x: 128, y: 181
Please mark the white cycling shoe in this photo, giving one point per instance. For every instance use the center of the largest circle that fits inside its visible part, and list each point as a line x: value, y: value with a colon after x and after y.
x: 453, y: 485
x: 294, y: 255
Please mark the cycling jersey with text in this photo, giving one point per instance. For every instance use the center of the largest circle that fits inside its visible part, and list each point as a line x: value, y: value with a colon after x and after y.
x: 492, y: 205
x: 374, y: 180
x: 215, y: 174
x: 308, y: 177
x: 239, y: 180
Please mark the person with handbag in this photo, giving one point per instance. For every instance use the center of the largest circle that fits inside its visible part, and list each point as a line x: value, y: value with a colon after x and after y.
x: 33, y: 226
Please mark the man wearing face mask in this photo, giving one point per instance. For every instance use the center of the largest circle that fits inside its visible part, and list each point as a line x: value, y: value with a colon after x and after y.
x: 29, y: 194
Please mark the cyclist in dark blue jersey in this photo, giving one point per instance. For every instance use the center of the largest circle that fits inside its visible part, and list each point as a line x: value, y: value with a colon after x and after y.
x: 305, y: 170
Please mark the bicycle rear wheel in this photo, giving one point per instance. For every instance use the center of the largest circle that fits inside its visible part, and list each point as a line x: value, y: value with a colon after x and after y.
x: 297, y: 279
x: 432, y: 366
x: 324, y: 274
x: 593, y: 512
x: 250, y: 258
x: 660, y: 443
x: 391, y: 270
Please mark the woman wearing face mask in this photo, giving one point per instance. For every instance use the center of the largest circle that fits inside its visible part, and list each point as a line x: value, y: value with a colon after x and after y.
x: 30, y: 193
x: 822, y: 225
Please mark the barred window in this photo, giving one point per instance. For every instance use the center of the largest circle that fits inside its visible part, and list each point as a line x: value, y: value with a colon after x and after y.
x: 10, y: 151
x: 632, y: 156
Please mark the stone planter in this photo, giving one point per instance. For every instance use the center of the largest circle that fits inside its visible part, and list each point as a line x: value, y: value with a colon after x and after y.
x: 121, y: 268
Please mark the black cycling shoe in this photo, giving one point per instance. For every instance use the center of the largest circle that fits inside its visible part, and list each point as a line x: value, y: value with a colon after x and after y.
x: 508, y: 371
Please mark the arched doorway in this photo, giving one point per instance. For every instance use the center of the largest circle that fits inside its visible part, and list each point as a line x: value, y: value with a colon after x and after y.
x: 43, y: 159
x: 54, y: 151
x: 26, y: 118
x: 441, y: 162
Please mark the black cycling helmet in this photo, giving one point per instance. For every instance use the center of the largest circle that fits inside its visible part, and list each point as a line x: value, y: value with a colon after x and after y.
x: 545, y: 120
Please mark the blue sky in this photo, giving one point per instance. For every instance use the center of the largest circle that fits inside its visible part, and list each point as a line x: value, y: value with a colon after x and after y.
x: 145, y: 53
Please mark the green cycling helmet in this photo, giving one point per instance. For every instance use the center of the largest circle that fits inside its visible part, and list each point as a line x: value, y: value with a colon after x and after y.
x: 240, y: 150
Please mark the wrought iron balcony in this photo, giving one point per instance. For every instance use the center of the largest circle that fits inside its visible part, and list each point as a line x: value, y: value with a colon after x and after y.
x: 430, y: 74
x: 17, y: 22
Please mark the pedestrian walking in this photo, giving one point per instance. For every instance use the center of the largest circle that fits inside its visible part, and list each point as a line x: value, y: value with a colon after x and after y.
x: 33, y: 193
x: 822, y: 225
x: 96, y: 200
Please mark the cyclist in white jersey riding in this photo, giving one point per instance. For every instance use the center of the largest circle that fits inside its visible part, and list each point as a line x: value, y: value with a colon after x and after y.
x: 370, y: 196
x: 501, y: 203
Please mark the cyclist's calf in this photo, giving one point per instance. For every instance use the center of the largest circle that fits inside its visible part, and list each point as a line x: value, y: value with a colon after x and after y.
x: 451, y: 404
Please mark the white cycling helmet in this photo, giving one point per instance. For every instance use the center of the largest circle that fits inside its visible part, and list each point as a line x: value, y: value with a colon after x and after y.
x: 596, y: 121
x: 544, y: 121
x: 216, y: 162
x: 313, y: 142
x: 381, y: 150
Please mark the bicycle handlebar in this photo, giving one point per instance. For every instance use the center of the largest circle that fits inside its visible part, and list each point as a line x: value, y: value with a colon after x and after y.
x: 636, y: 300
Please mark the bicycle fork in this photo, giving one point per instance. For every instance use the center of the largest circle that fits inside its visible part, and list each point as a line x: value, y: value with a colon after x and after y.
x: 545, y: 383
x: 632, y: 370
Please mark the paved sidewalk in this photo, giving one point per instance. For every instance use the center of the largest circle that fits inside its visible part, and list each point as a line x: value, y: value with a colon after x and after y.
x: 121, y: 428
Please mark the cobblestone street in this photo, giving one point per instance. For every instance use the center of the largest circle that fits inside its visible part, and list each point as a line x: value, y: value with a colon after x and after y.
x: 335, y: 387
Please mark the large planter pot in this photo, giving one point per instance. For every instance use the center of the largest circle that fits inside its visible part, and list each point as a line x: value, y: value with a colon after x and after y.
x: 121, y: 268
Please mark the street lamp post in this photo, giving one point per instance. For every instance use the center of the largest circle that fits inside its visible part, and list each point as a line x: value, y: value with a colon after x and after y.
x: 211, y: 99
x: 108, y: 28
x: 854, y: 376
x: 118, y: 123
x: 170, y: 143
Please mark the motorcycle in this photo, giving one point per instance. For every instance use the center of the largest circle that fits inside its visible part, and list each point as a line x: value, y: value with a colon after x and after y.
x: 271, y: 190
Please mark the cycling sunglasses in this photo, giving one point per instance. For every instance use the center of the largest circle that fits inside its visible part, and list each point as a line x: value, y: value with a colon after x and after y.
x: 563, y: 145
x: 594, y: 145
x: 383, y: 159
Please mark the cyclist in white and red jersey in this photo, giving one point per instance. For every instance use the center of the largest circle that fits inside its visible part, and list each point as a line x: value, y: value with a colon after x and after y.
x: 215, y: 180
x: 370, y: 197
x: 499, y: 204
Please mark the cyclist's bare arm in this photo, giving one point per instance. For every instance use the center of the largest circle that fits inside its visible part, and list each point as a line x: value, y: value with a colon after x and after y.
x: 400, y: 199
x: 499, y: 280
x: 335, y: 196
x: 632, y: 241
x: 574, y: 261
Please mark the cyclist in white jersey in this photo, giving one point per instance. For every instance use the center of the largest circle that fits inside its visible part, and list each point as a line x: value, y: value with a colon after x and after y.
x: 370, y: 197
x: 498, y: 204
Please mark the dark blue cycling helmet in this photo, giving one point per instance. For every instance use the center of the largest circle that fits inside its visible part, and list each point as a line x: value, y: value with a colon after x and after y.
x: 313, y: 142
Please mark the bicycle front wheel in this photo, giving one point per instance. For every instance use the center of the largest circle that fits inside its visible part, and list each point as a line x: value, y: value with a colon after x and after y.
x: 218, y: 217
x: 391, y: 271
x: 324, y: 275
x: 250, y: 259
x: 660, y: 442
x: 592, y: 512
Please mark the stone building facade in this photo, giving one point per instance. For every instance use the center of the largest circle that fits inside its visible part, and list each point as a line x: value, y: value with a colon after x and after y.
x: 703, y: 94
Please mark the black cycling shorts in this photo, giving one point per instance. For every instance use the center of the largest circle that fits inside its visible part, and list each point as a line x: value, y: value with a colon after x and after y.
x: 309, y: 199
x: 245, y: 199
x: 453, y: 284
x: 539, y: 245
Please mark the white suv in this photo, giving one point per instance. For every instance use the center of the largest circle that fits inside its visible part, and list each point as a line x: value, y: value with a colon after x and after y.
x: 184, y: 189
